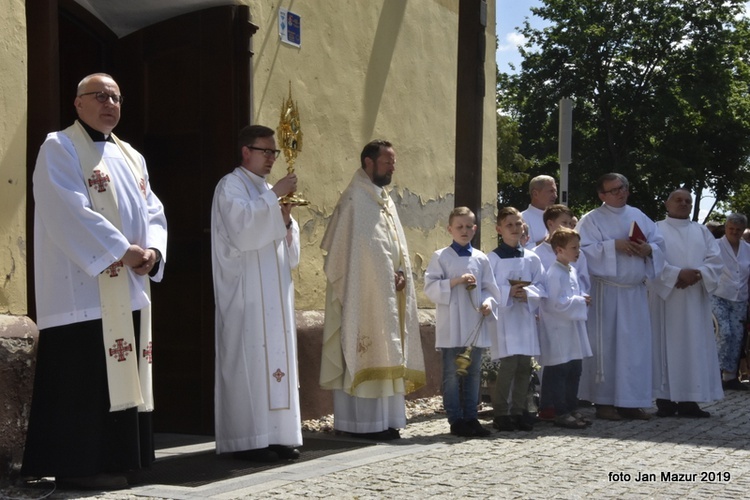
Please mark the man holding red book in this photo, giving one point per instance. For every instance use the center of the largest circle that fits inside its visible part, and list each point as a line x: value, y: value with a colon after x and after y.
x: 618, y: 377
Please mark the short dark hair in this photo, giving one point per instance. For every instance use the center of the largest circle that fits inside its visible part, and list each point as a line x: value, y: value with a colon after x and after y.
x: 372, y: 150
x: 460, y: 211
x: 552, y: 212
x: 507, y: 211
x: 612, y: 176
x: 249, y: 134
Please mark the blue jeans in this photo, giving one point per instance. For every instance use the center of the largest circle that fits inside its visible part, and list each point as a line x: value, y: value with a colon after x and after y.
x: 560, y: 387
x: 730, y: 316
x: 461, y: 394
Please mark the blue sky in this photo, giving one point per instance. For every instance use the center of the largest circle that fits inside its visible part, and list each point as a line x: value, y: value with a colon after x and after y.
x: 510, y: 14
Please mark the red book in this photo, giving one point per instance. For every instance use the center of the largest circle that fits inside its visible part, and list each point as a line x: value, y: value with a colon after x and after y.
x: 635, y: 234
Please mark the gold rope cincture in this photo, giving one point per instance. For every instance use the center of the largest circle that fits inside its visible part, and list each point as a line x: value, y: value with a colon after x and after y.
x: 114, y: 290
x: 279, y: 395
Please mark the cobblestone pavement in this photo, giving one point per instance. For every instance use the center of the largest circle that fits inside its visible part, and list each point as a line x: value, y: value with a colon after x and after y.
x: 660, y: 458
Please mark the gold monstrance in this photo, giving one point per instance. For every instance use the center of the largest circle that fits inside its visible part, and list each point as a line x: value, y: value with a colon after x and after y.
x: 290, y: 139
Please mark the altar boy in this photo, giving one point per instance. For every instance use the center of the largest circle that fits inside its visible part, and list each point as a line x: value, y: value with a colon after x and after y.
x: 562, y: 332
x: 518, y: 274
x: 459, y: 280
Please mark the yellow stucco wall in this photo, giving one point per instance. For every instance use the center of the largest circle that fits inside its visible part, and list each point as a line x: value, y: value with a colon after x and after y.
x: 365, y: 70
x: 375, y: 69
x: 13, y: 91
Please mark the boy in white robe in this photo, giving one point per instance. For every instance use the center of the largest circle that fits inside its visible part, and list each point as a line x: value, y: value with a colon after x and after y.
x: 255, y: 245
x: 562, y: 332
x: 555, y: 217
x: 460, y: 282
x: 518, y: 275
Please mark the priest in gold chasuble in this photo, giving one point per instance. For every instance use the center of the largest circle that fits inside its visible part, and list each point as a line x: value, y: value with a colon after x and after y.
x: 372, y: 351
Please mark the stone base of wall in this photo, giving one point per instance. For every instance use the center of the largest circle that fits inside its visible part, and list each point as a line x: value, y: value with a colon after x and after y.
x: 316, y: 402
x: 18, y: 341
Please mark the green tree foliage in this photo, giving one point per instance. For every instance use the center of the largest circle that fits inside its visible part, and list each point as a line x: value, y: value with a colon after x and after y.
x: 511, y: 165
x: 739, y: 202
x: 660, y: 93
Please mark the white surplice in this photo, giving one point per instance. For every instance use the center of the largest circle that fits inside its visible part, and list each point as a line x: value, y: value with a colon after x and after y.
x: 562, y: 318
x: 516, y: 329
x: 534, y: 218
x: 685, y: 362
x: 75, y: 244
x: 619, y: 327
x: 257, y: 395
x: 457, y: 322
x: 547, y: 256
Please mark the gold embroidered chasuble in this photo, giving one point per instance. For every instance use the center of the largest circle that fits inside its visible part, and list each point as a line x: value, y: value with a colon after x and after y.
x: 371, y: 341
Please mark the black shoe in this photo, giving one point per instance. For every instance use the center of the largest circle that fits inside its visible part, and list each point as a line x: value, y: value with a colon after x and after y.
x: 523, y: 422
x: 665, y: 408
x: 691, y: 409
x: 257, y: 455
x: 386, y: 435
x: 285, y: 452
x: 504, y: 423
x: 461, y: 428
x: 734, y: 385
x: 98, y: 482
x: 479, y: 430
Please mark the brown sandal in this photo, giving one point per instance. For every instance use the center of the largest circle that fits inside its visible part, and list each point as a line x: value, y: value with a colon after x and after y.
x: 569, y: 422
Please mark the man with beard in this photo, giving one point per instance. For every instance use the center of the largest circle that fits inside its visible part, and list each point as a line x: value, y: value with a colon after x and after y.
x: 372, y: 351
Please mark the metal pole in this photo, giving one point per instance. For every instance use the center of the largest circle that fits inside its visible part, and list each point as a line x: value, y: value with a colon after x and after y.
x: 564, y: 145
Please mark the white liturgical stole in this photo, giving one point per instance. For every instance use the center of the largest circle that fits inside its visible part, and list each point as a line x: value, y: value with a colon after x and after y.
x: 277, y: 351
x: 129, y: 381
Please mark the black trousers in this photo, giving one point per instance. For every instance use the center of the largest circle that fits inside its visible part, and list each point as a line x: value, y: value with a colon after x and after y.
x: 71, y: 430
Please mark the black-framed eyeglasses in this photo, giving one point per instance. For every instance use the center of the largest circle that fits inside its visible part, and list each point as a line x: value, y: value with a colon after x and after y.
x: 614, y: 191
x: 103, y: 97
x: 268, y: 152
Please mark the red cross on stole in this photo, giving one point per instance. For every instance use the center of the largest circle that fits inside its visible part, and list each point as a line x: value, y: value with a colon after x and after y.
x: 120, y: 350
x: 148, y: 353
x: 99, y: 180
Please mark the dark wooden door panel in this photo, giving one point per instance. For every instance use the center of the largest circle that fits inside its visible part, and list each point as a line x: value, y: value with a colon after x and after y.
x: 186, y: 83
x: 191, y: 86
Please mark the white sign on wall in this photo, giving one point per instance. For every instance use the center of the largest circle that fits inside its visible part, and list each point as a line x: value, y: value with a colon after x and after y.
x: 289, y: 27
